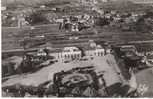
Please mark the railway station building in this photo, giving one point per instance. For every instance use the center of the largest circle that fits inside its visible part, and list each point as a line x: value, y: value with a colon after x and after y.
x: 71, y: 53
x: 98, y: 50
x: 67, y: 53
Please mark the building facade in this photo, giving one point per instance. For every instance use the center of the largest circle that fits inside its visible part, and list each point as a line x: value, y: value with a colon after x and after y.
x: 96, y: 51
x: 74, y: 53
x: 68, y: 53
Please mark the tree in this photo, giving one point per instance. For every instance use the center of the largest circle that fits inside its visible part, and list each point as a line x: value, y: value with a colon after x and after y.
x: 36, y: 18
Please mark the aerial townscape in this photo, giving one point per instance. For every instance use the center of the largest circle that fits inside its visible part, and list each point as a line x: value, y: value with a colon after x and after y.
x: 77, y: 48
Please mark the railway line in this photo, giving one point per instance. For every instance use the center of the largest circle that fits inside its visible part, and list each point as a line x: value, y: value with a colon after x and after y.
x: 80, y: 42
x: 65, y: 39
x: 60, y: 38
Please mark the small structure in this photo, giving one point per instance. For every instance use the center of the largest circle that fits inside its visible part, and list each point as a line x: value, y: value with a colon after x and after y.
x: 129, y: 50
x: 21, y: 21
x: 10, y: 65
x: 3, y: 8
x: 144, y: 49
x: 56, y: 54
x: 149, y: 60
x: 88, y: 2
x: 104, y: 0
x: 108, y: 50
x: 42, y: 6
x: 41, y: 52
x: 126, y: 48
x: 74, y: 27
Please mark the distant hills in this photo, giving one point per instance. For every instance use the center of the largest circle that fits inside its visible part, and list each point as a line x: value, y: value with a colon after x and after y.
x: 142, y: 1
x: 36, y: 2
x: 118, y: 4
x: 23, y: 2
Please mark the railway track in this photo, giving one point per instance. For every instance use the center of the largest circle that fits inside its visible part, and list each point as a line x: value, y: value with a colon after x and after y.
x: 60, y: 38
x: 65, y: 38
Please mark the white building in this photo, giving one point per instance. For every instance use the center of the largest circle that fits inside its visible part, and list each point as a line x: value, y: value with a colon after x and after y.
x: 149, y: 60
x: 67, y: 53
x: 104, y: 0
x: 21, y: 21
x: 3, y: 8
x: 88, y: 1
x: 74, y: 27
x: 41, y: 52
x: 70, y: 53
x: 126, y: 48
x: 95, y: 51
x: 108, y: 50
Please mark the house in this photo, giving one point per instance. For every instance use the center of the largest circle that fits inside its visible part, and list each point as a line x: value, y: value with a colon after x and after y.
x: 7, y: 68
x: 3, y: 8
x: 39, y: 56
x: 108, y: 50
x: 11, y: 65
x: 74, y: 27
x: 144, y: 49
x: 41, y: 52
x: 116, y: 19
x: 149, y: 60
x: 128, y: 48
x: 42, y: 6
x: 104, y: 0
x: 113, y: 12
x: 56, y: 53
x: 21, y: 21
x: 108, y: 16
x: 85, y: 2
